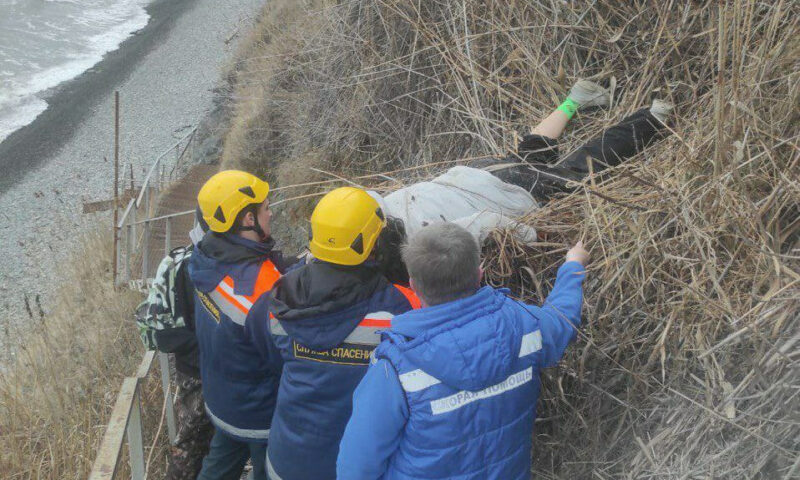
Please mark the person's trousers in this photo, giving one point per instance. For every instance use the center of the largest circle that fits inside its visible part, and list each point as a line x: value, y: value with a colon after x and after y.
x: 615, y: 145
x: 541, y: 172
x: 194, y: 430
x: 227, y: 457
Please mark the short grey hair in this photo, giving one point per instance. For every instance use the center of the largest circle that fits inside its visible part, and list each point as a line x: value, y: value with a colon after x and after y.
x: 443, y: 260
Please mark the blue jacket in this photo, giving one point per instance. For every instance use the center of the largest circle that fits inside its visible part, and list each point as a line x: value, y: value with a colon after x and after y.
x: 325, y: 321
x: 231, y: 276
x: 453, y: 388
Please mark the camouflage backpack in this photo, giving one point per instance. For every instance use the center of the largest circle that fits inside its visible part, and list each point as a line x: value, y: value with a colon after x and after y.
x: 164, y: 306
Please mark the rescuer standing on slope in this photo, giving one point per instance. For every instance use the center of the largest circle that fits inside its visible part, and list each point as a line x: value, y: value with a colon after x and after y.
x: 325, y: 318
x: 232, y: 268
x: 453, y: 388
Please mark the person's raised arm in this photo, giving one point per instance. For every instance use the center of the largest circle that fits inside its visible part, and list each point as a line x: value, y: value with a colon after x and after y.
x: 375, y: 427
x: 561, y: 312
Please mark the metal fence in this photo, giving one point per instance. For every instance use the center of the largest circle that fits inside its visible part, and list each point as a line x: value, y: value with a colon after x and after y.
x: 133, y: 232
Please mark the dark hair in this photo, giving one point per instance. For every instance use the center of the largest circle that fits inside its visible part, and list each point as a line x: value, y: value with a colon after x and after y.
x: 237, y: 224
x: 387, y: 251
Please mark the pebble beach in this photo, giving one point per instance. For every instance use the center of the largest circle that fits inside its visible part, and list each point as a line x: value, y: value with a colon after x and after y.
x: 166, y: 75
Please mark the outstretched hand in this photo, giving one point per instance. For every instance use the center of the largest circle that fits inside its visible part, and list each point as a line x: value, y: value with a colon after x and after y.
x: 578, y: 254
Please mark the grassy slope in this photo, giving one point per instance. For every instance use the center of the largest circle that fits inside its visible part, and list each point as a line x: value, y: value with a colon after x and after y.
x: 685, y: 365
x: 57, y: 394
x: 686, y: 259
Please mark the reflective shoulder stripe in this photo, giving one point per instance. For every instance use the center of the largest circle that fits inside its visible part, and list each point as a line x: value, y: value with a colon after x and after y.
x: 239, y: 432
x: 417, y: 380
x: 410, y: 296
x: 377, y: 320
x: 531, y: 343
x: 227, y: 306
x: 366, y: 333
x: 275, y: 326
x: 241, y: 302
x: 238, y: 306
x: 268, y: 274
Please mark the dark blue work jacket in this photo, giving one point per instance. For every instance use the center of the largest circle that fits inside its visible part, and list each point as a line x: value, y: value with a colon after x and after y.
x: 232, y: 278
x: 325, y: 320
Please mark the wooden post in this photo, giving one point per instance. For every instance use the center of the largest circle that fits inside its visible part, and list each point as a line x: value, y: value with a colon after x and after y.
x: 145, y: 252
x: 114, y: 229
x: 128, y: 253
x: 167, y: 236
x: 133, y: 225
x: 177, y: 159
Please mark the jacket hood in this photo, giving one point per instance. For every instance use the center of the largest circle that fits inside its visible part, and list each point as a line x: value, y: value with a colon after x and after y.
x: 468, y: 344
x: 321, y: 303
x: 219, y: 255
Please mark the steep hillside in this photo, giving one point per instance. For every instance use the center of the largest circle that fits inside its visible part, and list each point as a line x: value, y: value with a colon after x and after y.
x: 687, y: 366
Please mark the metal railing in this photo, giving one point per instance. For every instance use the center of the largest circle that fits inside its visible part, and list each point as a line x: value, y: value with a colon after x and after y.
x: 132, y: 265
x: 132, y: 232
x: 126, y: 421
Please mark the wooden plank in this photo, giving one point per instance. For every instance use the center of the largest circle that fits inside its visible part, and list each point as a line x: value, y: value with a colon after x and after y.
x: 147, y: 362
x: 103, y: 205
x: 105, y: 465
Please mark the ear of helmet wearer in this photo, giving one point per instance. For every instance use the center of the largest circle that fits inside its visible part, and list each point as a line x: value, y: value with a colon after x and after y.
x: 345, y: 225
x: 226, y: 194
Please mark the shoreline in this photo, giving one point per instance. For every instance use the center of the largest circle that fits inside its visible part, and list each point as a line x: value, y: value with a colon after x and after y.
x: 70, y: 103
x: 171, y: 76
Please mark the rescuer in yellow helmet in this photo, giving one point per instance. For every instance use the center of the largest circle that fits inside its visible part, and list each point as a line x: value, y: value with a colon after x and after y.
x: 324, y: 318
x: 233, y: 268
x: 235, y: 201
x: 345, y: 226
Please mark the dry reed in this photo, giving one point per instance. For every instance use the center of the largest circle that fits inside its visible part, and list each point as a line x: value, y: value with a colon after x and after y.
x: 687, y: 363
x: 57, y: 393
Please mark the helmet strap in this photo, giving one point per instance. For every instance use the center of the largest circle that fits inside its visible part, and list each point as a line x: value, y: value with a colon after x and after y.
x: 256, y: 227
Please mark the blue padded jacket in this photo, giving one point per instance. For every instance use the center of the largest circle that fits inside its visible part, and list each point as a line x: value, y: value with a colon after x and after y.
x: 453, y: 388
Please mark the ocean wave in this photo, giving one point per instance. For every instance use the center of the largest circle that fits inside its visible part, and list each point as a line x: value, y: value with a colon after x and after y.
x: 94, y: 32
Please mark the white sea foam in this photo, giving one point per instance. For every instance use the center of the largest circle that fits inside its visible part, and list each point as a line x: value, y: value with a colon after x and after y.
x: 72, y: 39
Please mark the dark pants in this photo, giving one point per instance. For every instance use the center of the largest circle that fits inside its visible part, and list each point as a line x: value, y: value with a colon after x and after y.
x: 541, y: 172
x: 194, y: 430
x: 227, y: 457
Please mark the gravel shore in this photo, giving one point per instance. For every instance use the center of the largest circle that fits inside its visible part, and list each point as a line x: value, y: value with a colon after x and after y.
x: 165, y: 75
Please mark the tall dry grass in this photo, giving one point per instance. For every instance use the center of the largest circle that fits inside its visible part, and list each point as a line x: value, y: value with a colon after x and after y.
x: 687, y: 364
x: 57, y: 393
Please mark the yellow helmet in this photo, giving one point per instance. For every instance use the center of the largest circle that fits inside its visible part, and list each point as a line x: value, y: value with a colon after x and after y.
x: 226, y: 194
x: 345, y: 226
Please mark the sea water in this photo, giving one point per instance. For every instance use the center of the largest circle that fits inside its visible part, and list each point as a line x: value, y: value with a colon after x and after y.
x: 46, y: 42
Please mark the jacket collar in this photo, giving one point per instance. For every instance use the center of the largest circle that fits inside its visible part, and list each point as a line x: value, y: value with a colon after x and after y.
x: 415, y: 323
x: 231, y: 248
